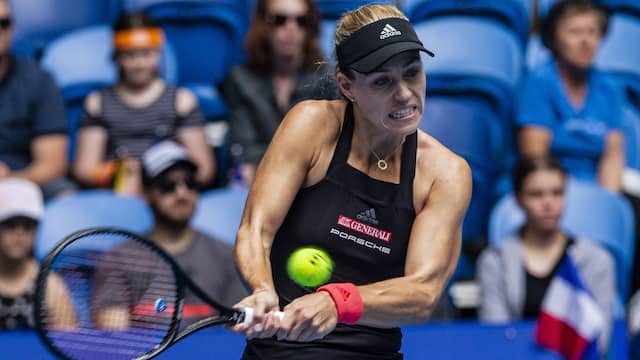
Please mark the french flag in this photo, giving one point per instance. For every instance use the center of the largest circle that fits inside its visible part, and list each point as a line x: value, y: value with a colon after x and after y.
x: 570, y: 321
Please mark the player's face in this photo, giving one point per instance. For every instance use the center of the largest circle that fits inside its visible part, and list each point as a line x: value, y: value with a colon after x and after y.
x: 392, y: 97
x: 173, y: 196
x: 6, y: 28
x: 287, y: 20
x: 577, y: 38
x: 139, y: 67
x: 17, y: 236
x: 542, y: 199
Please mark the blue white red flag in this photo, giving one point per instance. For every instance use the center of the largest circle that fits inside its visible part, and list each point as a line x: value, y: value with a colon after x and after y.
x: 570, y: 320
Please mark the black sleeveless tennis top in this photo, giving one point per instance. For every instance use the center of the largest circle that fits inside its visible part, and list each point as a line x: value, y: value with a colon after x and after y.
x: 364, y: 224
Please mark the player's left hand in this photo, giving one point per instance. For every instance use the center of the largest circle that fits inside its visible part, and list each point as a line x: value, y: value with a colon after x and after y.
x: 307, y: 318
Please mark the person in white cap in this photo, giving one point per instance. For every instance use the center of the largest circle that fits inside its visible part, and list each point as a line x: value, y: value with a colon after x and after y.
x: 170, y: 188
x: 21, y: 208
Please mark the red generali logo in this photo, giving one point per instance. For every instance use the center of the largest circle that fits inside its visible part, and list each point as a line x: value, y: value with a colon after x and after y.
x: 363, y: 228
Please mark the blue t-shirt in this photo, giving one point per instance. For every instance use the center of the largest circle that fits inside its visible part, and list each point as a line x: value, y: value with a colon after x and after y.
x: 578, y: 135
x: 30, y: 106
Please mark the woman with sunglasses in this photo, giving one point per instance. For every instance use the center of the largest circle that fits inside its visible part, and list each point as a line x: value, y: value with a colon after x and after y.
x: 283, y: 68
x: 356, y: 178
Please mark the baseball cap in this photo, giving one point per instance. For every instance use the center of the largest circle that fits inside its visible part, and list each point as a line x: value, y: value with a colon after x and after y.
x: 162, y: 156
x: 375, y: 43
x: 20, y: 197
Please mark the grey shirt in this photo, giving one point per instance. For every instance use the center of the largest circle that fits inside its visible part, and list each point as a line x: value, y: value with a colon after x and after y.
x: 501, y: 277
x: 128, y: 277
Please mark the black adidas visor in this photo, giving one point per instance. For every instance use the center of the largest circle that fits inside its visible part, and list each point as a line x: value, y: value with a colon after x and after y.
x: 373, y: 44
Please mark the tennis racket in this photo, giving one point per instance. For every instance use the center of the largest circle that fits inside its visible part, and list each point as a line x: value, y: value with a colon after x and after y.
x: 110, y: 294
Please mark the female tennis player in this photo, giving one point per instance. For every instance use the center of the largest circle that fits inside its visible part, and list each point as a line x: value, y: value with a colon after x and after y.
x: 356, y: 178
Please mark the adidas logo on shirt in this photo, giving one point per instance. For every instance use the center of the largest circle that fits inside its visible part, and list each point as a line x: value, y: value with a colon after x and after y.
x: 368, y: 216
x: 389, y: 31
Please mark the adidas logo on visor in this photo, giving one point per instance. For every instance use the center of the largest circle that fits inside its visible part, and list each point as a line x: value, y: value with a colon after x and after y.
x: 389, y: 31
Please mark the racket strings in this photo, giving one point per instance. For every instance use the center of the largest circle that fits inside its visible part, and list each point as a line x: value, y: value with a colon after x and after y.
x: 118, y: 302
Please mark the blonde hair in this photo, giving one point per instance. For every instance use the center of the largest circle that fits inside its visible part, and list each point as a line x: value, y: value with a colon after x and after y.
x: 354, y: 20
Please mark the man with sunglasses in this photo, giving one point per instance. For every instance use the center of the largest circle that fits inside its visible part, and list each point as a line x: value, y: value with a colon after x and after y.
x: 171, y: 191
x: 33, y: 128
x: 170, y: 187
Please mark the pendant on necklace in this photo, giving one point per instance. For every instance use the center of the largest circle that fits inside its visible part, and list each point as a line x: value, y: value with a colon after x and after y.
x: 382, y: 164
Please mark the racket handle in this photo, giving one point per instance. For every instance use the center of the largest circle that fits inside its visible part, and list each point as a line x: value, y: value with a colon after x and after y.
x: 248, y: 315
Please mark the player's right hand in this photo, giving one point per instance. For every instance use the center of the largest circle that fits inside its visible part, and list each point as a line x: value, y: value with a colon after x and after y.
x: 265, y: 324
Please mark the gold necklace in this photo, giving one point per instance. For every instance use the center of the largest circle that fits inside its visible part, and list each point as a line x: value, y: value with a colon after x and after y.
x: 382, y: 162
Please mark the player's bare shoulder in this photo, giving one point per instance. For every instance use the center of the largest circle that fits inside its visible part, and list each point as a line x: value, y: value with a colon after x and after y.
x: 319, y: 117
x: 436, y: 164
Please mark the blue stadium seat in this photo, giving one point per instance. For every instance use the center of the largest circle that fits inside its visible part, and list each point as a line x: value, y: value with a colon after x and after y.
x: 631, y: 128
x: 326, y: 38
x: 544, y: 6
x: 591, y: 212
x: 81, y: 61
x: 40, y: 21
x: 617, y: 56
x: 215, y: 111
x: 219, y: 212
x: 536, y: 53
x: 467, y: 127
x: 211, y: 103
x: 87, y: 209
x: 334, y: 9
x: 513, y: 14
x: 331, y: 11
x: 206, y: 34
x: 472, y: 55
x: 623, y: 6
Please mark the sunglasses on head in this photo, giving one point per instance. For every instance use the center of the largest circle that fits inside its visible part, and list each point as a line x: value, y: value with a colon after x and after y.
x: 278, y: 20
x: 168, y: 186
x: 5, y: 23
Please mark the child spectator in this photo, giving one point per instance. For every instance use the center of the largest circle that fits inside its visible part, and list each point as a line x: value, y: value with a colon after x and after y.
x: 122, y: 121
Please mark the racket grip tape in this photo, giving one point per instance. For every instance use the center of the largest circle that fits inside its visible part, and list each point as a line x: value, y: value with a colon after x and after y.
x: 248, y: 315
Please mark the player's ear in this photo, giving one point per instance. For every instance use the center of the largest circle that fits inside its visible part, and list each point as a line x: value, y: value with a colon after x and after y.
x: 345, y: 85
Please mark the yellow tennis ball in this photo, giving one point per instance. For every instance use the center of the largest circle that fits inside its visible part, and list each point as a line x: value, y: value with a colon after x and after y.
x: 309, y: 266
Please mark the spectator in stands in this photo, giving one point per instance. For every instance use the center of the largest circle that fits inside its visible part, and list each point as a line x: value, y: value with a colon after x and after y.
x: 20, y: 210
x: 171, y: 191
x: 515, y: 275
x: 33, y: 127
x: 284, y: 67
x: 122, y: 121
x: 566, y: 107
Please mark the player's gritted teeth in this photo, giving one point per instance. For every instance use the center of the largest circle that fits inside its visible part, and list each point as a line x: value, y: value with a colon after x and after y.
x: 403, y: 114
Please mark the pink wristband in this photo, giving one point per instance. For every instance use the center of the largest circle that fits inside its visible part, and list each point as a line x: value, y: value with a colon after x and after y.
x: 348, y: 301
